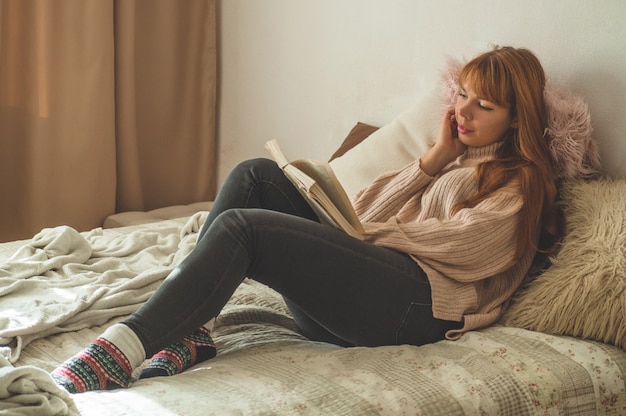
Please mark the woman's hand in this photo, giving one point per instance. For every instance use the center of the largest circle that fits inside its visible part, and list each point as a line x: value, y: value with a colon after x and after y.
x: 448, y: 140
x: 447, y: 147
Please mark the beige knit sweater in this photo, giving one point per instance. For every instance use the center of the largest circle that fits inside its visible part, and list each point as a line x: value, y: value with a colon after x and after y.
x: 468, y: 256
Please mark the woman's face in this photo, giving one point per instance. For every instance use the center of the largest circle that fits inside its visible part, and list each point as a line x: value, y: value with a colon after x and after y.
x: 480, y: 121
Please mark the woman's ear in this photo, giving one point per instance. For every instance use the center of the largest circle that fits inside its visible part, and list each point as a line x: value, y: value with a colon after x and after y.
x: 514, y: 123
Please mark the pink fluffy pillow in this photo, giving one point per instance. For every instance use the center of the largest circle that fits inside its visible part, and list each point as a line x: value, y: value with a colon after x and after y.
x: 575, y: 153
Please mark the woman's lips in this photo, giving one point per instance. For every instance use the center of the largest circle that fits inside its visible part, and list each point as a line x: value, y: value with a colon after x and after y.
x: 463, y: 130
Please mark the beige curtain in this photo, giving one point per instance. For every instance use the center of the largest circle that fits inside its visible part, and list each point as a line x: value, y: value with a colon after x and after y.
x: 105, y: 106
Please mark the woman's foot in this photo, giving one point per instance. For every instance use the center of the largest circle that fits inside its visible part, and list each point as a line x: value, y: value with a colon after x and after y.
x: 100, y: 366
x: 105, y: 364
x: 189, y: 351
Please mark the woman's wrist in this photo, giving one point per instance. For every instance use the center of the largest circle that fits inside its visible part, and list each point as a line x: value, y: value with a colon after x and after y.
x: 433, y: 161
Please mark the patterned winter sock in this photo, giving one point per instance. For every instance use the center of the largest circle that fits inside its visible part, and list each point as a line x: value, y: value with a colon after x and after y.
x: 105, y: 364
x: 192, y: 349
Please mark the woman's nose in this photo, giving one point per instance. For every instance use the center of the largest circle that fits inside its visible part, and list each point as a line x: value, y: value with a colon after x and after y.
x: 464, y: 111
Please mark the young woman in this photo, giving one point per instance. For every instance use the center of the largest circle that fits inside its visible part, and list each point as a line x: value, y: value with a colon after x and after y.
x: 449, y: 238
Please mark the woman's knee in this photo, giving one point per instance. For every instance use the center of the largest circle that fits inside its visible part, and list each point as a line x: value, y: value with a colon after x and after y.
x: 257, y: 167
x: 242, y: 220
x: 232, y: 219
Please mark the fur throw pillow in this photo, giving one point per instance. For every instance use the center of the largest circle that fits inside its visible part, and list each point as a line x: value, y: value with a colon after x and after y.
x: 583, y: 293
x: 574, y: 151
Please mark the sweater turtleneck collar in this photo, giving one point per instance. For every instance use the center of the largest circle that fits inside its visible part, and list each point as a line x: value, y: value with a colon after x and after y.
x: 482, y: 151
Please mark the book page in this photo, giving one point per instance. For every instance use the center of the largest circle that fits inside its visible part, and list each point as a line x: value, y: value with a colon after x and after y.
x: 326, y: 179
x: 319, y: 186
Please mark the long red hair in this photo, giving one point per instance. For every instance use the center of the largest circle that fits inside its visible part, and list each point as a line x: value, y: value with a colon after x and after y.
x: 514, y: 78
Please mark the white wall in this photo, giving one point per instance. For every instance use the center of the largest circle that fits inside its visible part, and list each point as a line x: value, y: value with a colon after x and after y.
x: 305, y: 71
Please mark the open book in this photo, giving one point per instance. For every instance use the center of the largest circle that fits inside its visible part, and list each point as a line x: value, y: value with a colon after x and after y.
x: 317, y: 182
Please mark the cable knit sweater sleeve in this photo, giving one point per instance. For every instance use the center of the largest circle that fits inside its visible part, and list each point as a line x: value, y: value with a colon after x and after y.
x: 409, y: 211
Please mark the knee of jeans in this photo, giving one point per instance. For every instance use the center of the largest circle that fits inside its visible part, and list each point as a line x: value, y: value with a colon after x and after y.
x: 239, y: 222
x: 232, y: 219
x: 248, y: 173
x: 254, y: 165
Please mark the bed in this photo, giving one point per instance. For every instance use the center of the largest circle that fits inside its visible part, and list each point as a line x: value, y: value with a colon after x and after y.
x: 266, y: 367
x: 558, y: 356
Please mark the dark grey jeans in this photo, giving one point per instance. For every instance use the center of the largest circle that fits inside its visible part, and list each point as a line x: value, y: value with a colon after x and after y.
x: 338, y: 288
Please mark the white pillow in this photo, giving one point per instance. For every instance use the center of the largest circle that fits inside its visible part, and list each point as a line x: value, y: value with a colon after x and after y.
x: 393, y: 146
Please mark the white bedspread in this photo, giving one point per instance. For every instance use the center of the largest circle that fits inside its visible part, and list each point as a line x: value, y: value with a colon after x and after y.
x: 66, y: 280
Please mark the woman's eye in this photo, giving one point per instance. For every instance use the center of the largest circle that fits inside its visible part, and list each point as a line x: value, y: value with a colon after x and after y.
x: 485, y: 107
x: 462, y: 94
